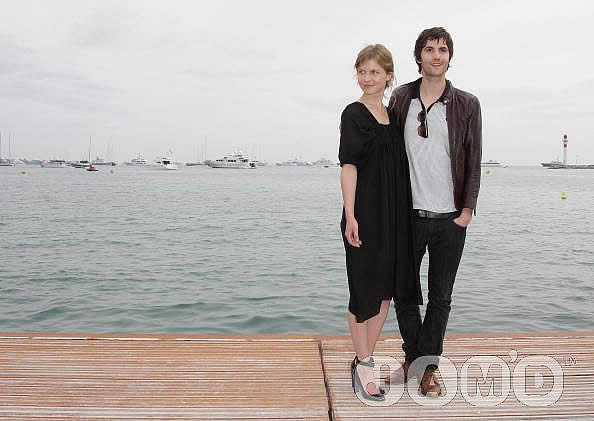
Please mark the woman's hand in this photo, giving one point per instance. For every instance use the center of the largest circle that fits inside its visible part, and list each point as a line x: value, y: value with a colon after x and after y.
x: 351, y: 232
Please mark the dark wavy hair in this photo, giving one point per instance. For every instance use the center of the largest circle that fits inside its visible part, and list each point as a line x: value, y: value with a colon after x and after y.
x: 431, y: 34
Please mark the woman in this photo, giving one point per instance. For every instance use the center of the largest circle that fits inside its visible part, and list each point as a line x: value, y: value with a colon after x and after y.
x: 376, y: 214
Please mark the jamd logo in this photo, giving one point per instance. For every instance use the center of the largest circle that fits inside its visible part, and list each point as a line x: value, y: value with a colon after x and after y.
x: 484, y: 380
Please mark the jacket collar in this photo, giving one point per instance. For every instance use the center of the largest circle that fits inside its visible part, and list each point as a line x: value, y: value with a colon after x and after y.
x: 446, y: 95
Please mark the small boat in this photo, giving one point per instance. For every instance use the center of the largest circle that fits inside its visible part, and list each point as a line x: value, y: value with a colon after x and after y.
x: 198, y: 162
x: 550, y: 164
x: 32, y: 161
x: 492, y: 163
x: 164, y: 164
x: 236, y: 161
x: 571, y: 167
x: 323, y: 162
x: 294, y: 163
x: 80, y: 164
x: 6, y: 163
x: 289, y: 163
x: 101, y: 161
x: 54, y: 163
x: 90, y: 167
x: 138, y: 162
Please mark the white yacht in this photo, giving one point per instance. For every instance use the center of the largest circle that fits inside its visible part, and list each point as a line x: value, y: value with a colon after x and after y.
x: 294, y: 163
x: 491, y: 163
x: 236, y: 160
x: 259, y: 163
x: 139, y: 161
x: 54, y: 163
x: 101, y: 161
x: 165, y: 164
x: 323, y: 162
x: 555, y: 163
x: 6, y: 163
x: 80, y: 164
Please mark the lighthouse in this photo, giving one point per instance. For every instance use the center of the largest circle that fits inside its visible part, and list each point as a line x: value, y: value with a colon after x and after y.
x: 565, y: 149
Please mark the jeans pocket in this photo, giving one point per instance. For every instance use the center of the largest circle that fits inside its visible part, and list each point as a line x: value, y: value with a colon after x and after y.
x: 456, y: 225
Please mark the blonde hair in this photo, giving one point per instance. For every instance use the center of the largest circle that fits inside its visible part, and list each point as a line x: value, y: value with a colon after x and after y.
x: 381, y: 55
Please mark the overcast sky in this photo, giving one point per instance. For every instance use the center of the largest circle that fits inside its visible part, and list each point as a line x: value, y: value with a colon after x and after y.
x: 272, y: 77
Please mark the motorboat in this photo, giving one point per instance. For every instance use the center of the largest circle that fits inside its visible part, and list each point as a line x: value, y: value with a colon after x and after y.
x: 54, y: 163
x: 101, y: 161
x: 139, y: 161
x: 323, y: 162
x: 294, y: 163
x: 289, y: 163
x: 236, y: 160
x: 555, y: 163
x: 92, y: 168
x: 32, y: 161
x: 165, y: 164
x: 6, y: 163
x: 80, y: 164
x: 492, y: 163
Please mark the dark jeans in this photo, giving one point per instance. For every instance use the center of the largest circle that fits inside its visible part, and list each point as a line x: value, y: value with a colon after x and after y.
x: 445, y: 242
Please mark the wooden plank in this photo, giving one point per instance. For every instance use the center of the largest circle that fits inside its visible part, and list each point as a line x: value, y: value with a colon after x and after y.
x: 269, y: 377
x: 573, y: 352
x: 70, y: 376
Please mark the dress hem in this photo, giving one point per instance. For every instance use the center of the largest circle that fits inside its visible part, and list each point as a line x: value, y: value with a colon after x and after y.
x: 361, y: 319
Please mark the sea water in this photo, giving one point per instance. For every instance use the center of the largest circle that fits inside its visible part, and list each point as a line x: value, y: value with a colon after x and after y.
x: 203, y: 250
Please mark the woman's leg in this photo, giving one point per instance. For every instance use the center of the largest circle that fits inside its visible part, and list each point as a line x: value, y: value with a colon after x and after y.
x: 359, y: 336
x: 375, y: 325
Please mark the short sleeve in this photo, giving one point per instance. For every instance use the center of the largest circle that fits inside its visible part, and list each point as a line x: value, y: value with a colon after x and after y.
x: 353, y: 139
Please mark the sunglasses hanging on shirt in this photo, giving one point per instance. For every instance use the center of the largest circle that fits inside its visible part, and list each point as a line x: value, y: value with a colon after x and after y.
x: 422, y: 130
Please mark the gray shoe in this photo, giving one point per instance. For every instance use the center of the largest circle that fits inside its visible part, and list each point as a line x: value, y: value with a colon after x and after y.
x: 358, y: 385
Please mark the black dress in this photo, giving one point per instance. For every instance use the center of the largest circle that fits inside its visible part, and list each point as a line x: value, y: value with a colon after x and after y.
x: 383, y: 267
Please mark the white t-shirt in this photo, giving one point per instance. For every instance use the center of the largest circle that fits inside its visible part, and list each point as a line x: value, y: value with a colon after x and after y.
x: 429, y: 159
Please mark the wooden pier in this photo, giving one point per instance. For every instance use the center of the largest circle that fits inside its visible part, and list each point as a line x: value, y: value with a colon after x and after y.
x: 273, y: 377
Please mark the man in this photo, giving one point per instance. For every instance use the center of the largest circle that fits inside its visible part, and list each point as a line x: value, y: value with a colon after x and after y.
x: 441, y: 126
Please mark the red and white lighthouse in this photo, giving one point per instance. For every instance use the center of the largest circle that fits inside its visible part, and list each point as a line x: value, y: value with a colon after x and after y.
x: 565, y: 149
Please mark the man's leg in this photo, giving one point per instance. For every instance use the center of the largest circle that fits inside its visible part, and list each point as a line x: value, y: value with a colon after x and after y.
x: 409, y: 315
x: 445, y: 247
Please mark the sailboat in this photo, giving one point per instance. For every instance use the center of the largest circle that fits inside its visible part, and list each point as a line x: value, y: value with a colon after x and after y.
x: 91, y: 167
x: 5, y: 162
x: 198, y: 162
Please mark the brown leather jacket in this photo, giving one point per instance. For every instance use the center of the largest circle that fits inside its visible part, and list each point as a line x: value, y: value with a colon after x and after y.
x: 463, y: 113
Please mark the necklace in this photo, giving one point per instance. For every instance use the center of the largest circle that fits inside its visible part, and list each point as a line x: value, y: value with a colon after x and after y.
x: 379, y: 109
x: 380, y: 115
